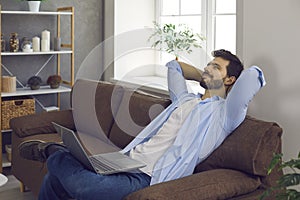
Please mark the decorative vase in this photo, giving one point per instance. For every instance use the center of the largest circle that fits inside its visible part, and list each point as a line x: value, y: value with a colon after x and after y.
x: 34, y: 6
x: 54, y: 85
x: 13, y: 42
x: 34, y: 87
x: 26, y: 45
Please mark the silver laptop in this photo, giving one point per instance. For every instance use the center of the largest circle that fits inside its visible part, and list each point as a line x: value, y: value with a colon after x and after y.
x: 106, y: 163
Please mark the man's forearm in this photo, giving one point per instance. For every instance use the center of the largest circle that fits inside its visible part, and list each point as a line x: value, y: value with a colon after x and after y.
x: 190, y: 72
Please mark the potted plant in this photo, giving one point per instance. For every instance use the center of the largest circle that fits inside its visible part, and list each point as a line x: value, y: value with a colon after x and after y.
x: 175, y: 39
x: 54, y: 81
x: 283, y: 190
x: 34, y: 5
x: 34, y: 82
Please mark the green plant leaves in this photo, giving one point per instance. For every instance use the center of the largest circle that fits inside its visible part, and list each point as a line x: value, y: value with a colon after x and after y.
x: 274, y: 162
x: 285, y: 181
x: 175, y: 39
x: 289, y: 180
x: 288, y: 195
x: 293, y: 164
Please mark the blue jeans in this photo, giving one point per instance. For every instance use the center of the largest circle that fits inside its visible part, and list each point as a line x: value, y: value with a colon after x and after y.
x: 67, y: 178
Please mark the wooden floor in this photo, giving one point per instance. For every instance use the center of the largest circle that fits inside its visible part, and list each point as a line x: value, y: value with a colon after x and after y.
x: 11, y: 190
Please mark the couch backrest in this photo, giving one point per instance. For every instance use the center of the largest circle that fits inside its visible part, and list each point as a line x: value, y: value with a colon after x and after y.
x: 117, y: 111
x: 249, y: 148
x: 137, y: 110
x: 94, y: 105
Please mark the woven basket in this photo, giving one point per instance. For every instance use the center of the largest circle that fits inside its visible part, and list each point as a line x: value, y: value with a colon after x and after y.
x: 15, y: 108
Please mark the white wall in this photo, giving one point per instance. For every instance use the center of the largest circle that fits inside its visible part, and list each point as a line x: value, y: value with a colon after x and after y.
x: 271, y: 38
x: 268, y: 36
x: 131, y: 18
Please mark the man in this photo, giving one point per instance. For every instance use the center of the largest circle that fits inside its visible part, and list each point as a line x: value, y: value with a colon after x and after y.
x: 182, y: 136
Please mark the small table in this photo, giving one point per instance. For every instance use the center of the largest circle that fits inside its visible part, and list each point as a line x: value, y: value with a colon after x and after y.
x: 3, y: 179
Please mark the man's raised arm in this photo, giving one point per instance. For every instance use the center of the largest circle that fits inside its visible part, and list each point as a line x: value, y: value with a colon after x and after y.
x: 178, y: 72
x: 244, y: 89
x: 190, y: 72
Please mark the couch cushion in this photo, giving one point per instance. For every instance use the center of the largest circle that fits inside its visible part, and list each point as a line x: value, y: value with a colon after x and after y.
x: 30, y: 172
x: 249, y: 148
x: 136, y: 110
x: 40, y: 123
x: 212, y: 184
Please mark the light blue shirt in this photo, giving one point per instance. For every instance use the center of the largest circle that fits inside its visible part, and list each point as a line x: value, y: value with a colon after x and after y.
x: 206, y: 127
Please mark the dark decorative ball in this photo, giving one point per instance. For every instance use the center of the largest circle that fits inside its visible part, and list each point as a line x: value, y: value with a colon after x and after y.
x: 54, y: 81
x: 34, y: 82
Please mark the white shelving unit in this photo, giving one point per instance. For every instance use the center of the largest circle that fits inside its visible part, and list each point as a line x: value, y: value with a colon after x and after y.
x: 43, y: 90
x: 35, y: 53
x: 65, y: 49
x: 35, y: 13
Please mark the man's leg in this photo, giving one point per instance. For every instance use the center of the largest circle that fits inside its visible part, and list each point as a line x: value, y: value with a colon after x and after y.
x: 39, y: 150
x: 68, y: 178
x: 52, y: 189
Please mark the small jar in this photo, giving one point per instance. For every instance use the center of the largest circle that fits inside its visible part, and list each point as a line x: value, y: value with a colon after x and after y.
x: 26, y: 45
x: 13, y: 42
x: 2, y: 43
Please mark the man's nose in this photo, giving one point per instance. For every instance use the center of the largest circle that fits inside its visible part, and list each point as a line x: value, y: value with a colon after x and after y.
x: 207, y: 68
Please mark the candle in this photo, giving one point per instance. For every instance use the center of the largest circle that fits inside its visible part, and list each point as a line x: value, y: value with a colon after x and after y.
x: 45, y: 46
x: 46, y: 37
x: 36, y: 44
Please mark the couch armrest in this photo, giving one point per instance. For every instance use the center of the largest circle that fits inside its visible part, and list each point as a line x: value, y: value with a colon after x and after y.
x: 212, y: 184
x: 41, y: 123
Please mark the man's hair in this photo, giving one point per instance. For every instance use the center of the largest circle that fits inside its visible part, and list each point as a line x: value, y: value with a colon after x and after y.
x: 235, y: 66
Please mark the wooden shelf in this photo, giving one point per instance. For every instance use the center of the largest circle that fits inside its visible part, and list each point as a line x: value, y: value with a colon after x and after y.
x: 42, y: 90
x: 34, y: 13
x: 6, y: 131
x: 66, y: 49
x: 35, y: 53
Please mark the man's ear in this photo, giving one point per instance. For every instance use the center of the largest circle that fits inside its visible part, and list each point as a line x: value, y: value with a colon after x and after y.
x: 229, y: 80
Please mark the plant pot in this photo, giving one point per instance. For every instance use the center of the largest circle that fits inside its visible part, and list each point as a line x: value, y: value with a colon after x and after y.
x: 35, y: 87
x: 54, y: 81
x: 34, y: 6
x: 54, y: 85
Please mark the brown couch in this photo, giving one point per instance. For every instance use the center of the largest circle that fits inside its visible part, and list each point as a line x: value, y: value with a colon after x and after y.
x: 236, y: 170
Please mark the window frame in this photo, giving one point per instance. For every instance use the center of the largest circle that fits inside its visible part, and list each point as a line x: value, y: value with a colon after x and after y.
x: 208, y: 24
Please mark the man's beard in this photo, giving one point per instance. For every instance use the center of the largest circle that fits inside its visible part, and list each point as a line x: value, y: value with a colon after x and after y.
x: 212, y: 84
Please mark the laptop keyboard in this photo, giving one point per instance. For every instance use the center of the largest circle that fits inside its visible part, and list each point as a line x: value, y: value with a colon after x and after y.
x: 103, y: 164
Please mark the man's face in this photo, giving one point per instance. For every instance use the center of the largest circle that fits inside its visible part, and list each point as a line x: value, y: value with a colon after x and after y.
x: 214, y: 74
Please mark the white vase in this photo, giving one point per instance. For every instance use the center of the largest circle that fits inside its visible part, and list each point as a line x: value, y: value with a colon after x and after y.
x: 34, y: 6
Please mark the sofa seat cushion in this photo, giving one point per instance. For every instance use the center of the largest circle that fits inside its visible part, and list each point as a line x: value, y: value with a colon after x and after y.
x: 212, y: 184
x: 249, y: 148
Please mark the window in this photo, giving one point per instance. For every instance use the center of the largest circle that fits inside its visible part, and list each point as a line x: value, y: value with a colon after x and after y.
x: 215, y: 19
